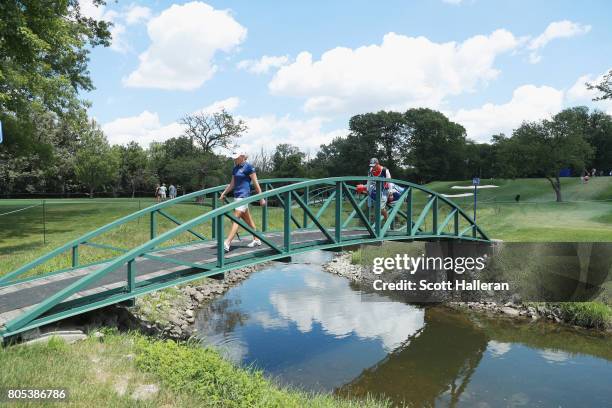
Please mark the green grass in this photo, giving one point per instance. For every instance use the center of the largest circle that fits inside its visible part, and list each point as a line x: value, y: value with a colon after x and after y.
x: 587, y: 314
x: 96, y: 372
x: 585, y: 216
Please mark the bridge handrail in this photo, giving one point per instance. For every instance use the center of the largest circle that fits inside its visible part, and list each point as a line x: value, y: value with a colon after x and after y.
x: 92, y: 234
x: 130, y: 256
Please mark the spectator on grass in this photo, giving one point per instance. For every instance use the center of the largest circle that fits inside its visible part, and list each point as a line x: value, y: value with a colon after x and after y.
x: 172, y: 191
x: 162, y: 192
x: 157, y: 196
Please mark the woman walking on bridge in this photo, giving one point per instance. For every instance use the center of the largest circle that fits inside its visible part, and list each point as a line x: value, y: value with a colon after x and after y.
x: 242, y: 176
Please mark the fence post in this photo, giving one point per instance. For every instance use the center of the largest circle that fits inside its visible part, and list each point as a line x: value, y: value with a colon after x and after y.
x: 44, y: 221
x: 409, y: 212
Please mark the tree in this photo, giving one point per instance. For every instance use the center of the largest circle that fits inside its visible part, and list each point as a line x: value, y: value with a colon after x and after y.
x: 95, y: 162
x: 543, y: 149
x: 216, y: 130
x: 287, y: 161
x: 436, y: 146
x: 133, y: 166
x: 605, y: 87
x: 44, y: 48
x: 386, y: 132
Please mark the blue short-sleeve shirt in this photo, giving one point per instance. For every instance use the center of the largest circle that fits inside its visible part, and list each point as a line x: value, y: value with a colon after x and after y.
x: 242, y: 179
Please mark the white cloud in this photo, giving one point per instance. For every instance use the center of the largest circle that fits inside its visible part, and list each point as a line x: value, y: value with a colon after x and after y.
x: 143, y: 129
x: 528, y: 103
x: 268, y: 131
x: 135, y: 14
x: 580, y: 94
x: 556, y: 29
x: 264, y: 64
x: 229, y: 104
x: 196, y: 27
x: 400, y: 72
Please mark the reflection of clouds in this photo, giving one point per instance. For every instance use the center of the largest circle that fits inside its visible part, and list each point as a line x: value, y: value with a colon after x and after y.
x: 267, y: 321
x: 554, y: 356
x: 498, y: 349
x: 341, y: 311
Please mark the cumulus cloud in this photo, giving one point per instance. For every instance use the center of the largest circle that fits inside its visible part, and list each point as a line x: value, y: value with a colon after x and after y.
x: 528, y: 103
x: 135, y: 14
x: 196, y: 27
x: 400, y: 72
x: 269, y: 130
x: 143, y: 129
x: 556, y: 29
x: 229, y: 104
x: 264, y: 131
x: 580, y: 94
x: 131, y: 15
x: 264, y: 64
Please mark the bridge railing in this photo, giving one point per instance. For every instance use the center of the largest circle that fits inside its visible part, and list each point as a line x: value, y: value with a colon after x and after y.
x: 354, y: 220
x: 153, y: 213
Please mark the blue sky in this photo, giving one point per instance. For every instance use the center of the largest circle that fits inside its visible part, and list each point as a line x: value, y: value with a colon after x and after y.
x: 296, y: 72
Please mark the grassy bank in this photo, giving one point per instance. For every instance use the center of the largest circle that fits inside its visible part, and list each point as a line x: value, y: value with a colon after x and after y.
x: 109, y: 371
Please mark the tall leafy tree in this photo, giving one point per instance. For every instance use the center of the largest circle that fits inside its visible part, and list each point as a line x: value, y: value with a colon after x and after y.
x: 44, y: 48
x: 96, y: 164
x: 213, y: 130
x: 436, y: 146
x: 288, y: 161
x: 543, y: 149
x: 133, y: 166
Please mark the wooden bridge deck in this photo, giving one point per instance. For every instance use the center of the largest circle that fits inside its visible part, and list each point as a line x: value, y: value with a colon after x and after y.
x: 20, y: 297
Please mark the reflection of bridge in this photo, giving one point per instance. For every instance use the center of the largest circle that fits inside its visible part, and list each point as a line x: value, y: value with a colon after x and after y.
x: 301, y: 215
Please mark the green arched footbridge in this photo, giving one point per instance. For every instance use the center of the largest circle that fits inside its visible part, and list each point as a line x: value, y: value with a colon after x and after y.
x: 160, y: 248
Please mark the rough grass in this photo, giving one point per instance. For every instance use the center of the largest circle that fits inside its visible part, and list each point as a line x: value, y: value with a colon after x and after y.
x: 587, y: 314
x: 106, y: 373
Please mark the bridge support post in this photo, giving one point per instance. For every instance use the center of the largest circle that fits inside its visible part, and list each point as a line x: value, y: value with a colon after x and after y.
x: 306, y: 198
x: 338, y: 223
x: 153, y: 223
x: 287, y: 221
x: 215, y: 203
x: 264, y: 214
x: 377, y: 208
x: 220, y: 242
x: 75, y: 256
x: 409, y: 213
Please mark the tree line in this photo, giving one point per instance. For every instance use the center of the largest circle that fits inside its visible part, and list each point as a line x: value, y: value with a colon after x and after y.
x: 51, y: 146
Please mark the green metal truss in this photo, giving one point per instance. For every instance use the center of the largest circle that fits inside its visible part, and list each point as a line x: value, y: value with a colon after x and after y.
x: 311, y: 197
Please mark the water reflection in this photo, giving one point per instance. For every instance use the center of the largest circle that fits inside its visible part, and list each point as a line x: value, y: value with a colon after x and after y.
x: 306, y: 327
x: 316, y: 331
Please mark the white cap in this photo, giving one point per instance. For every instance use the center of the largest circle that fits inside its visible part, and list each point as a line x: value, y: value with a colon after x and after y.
x: 236, y: 154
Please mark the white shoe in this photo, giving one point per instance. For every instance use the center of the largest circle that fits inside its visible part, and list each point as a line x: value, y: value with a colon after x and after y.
x: 254, y: 243
x: 226, y: 247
